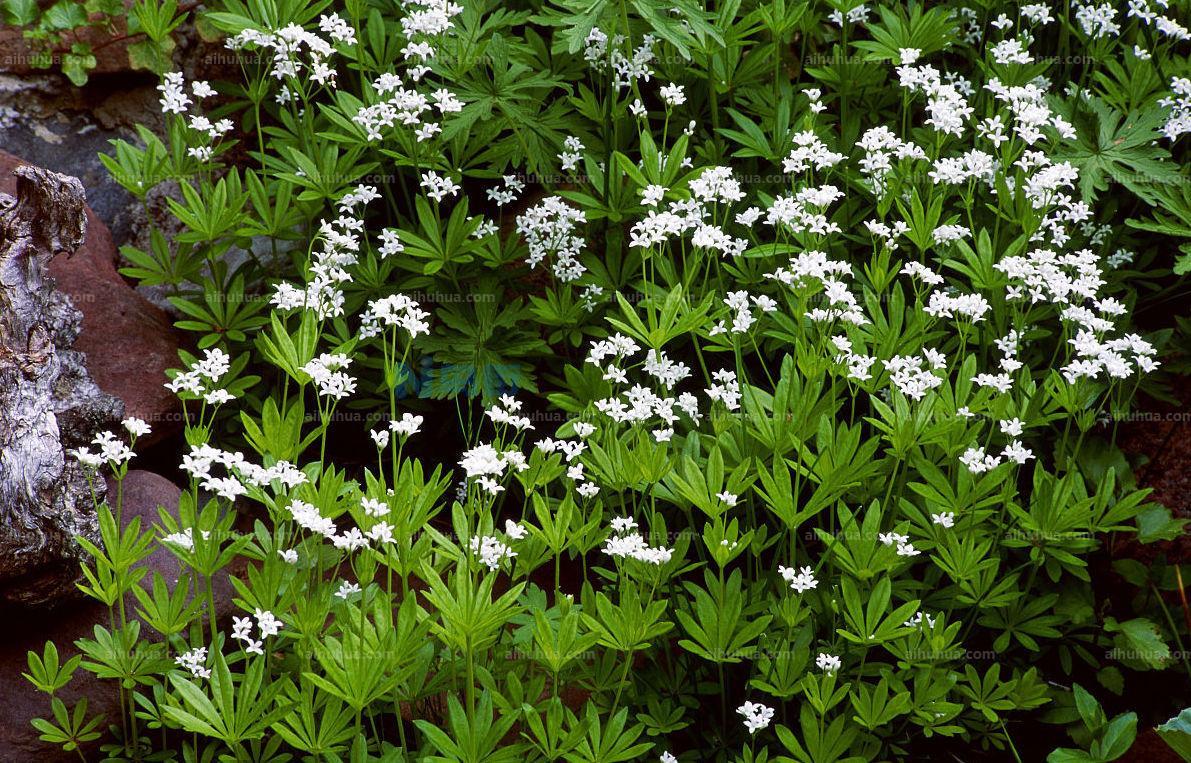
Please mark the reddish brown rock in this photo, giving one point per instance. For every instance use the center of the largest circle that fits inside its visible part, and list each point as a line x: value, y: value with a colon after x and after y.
x: 109, y: 48
x: 143, y: 492
x: 128, y: 341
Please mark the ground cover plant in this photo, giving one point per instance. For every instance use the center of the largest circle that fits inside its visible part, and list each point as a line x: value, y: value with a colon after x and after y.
x: 611, y: 381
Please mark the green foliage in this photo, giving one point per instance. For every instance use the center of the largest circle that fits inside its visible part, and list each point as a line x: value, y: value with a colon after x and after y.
x: 772, y: 354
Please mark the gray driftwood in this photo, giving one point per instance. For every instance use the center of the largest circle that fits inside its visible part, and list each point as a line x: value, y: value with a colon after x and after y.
x: 48, y: 403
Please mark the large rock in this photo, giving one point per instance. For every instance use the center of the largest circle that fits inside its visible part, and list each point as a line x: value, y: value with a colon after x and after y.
x: 128, y: 342
x: 143, y: 493
x: 109, y: 47
x: 47, y: 401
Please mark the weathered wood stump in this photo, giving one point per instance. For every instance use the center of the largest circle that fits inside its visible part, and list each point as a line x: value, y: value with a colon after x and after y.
x: 48, y: 403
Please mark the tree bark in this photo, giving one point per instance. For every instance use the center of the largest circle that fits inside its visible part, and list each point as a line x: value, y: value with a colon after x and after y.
x: 48, y: 403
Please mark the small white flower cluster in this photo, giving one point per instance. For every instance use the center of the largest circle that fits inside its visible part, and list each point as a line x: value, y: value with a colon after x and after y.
x: 505, y: 411
x: 1031, y: 114
x: 328, y: 375
x: 201, y: 458
x: 904, y: 546
x: 266, y: 623
x: 743, y: 319
x: 914, y: 375
x: 800, y: 580
x: 672, y: 95
x: 946, y: 520
x: 887, y: 233
x: 756, y: 716
x: 202, y: 379
x: 639, y: 403
x: 715, y: 185
x: 804, y: 211
x: 394, y: 310
x: 310, y: 519
x: 513, y: 186
x: 625, y: 543
x: 810, y: 266
x: 972, y: 307
x: 626, y: 70
x: 859, y: 366
x: 978, y: 461
x: 809, y: 152
x: 295, y: 49
x: 339, y: 246
x: 711, y: 187
x: 857, y: 14
x: 1165, y: 25
x: 549, y: 229
x: 1011, y: 51
x: 184, y: 539
x: 405, y: 106
x: 484, y: 463
x: 174, y: 100
x: 571, y: 450
x: 974, y: 165
x: 918, y: 619
x: 407, y: 426
x: 1097, y: 21
x: 922, y: 273
x: 194, y: 661
x: 828, y: 663
x: 881, y: 149
x: 1178, y: 121
x: 491, y: 550
x: 110, y: 450
x: 725, y: 389
x: 946, y: 103
x: 438, y: 187
x: 1095, y: 355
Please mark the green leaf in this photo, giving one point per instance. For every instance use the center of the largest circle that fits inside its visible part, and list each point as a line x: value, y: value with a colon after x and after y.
x: 1177, y: 734
x: 20, y: 12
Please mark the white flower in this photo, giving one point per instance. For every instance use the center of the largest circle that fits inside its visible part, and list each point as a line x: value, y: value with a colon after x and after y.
x: 946, y: 519
x: 514, y: 530
x: 978, y: 461
x: 395, y: 310
x: 194, y: 661
x: 288, y: 555
x: 87, y: 458
x: 800, y: 580
x: 756, y: 716
x: 173, y: 97
x: 408, y: 425
x: 491, y: 551
x: 346, y: 589
x: 438, y: 187
x: 828, y: 663
x: 201, y: 89
x: 241, y: 628
x: 550, y: 230
x: 326, y: 371
x: 136, y: 427
x: 623, y: 524
x: 268, y: 624
x: 1017, y: 453
x: 1011, y: 427
x: 380, y: 533
x: 673, y: 95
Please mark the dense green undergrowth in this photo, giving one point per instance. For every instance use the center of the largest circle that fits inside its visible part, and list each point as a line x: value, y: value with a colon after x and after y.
x: 784, y: 345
